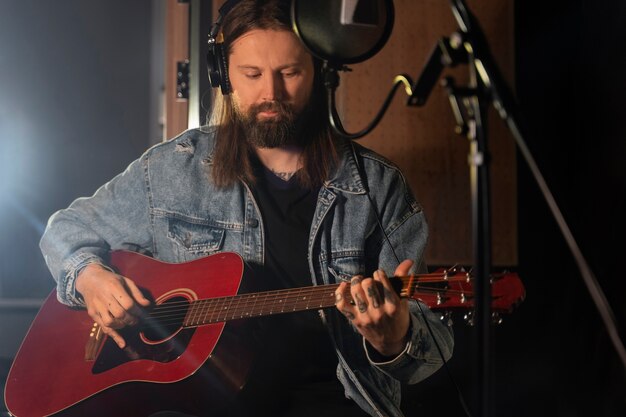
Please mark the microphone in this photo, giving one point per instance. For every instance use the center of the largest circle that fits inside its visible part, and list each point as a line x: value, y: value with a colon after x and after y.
x: 342, y: 32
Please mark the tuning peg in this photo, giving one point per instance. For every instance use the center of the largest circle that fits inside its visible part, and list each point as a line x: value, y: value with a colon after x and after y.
x: 469, y: 318
x: 496, y: 318
x: 446, y: 319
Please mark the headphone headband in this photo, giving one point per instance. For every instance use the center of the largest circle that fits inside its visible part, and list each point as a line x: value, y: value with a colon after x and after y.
x: 217, y: 61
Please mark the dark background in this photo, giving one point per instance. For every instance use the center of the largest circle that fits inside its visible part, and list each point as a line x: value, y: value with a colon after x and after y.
x: 571, y: 61
x: 74, y: 111
x: 552, y: 355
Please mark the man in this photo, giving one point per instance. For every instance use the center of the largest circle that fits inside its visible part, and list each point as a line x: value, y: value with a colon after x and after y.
x: 269, y: 181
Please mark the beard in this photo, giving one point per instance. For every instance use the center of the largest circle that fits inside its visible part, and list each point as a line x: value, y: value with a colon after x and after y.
x: 281, y: 130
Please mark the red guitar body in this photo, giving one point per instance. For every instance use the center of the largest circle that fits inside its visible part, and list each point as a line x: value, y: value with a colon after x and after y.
x: 50, y: 374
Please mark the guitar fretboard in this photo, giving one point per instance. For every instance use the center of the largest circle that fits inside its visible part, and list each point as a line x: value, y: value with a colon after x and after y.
x: 242, y: 306
x: 197, y: 313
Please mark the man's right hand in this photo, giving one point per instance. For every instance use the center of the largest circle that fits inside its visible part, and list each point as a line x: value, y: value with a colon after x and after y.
x: 112, y: 301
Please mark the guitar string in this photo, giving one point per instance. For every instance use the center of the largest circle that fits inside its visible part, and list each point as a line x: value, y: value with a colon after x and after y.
x: 288, y: 296
x: 420, y: 279
x: 247, y: 299
x: 202, y: 312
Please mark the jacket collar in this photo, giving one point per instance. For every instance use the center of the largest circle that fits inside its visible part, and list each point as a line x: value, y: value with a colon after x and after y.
x: 347, y: 177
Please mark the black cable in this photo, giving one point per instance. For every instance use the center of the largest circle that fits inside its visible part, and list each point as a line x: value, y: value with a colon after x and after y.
x: 331, y: 81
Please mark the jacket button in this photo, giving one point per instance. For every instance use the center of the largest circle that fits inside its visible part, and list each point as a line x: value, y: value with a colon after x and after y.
x: 252, y: 223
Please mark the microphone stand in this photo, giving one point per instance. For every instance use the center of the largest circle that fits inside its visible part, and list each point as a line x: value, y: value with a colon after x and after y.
x: 469, y: 104
x: 488, y: 86
x: 470, y: 109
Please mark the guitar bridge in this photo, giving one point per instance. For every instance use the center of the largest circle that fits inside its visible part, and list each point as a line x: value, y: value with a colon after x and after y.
x: 94, y: 343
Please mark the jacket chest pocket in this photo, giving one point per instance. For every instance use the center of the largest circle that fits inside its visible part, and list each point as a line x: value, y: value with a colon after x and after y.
x: 192, y: 239
x: 344, y: 265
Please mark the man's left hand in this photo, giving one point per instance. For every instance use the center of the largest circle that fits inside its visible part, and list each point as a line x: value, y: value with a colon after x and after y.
x: 377, y: 312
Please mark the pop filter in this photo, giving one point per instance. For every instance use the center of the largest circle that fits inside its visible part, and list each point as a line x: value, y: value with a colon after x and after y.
x: 342, y: 31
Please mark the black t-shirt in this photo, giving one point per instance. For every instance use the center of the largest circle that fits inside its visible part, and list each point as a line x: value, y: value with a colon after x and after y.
x: 296, y: 373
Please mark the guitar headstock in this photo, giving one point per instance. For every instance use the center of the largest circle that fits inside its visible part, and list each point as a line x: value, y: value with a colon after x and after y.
x: 452, y: 290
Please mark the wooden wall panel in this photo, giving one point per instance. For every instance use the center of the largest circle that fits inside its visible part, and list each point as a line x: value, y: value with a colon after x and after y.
x: 422, y: 140
x: 176, y: 49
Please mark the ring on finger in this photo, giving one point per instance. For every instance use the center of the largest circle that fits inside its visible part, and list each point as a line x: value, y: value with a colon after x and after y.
x: 355, y: 280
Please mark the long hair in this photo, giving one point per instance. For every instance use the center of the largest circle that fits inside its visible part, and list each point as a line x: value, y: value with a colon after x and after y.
x: 232, y: 157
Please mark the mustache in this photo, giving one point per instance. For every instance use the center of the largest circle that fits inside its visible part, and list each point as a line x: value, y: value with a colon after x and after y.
x: 279, y: 107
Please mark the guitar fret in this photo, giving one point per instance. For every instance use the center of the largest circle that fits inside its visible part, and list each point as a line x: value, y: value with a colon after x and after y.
x: 218, y: 311
x: 226, y: 307
x: 274, y: 299
x: 192, y: 313
x: 189, y: 315
x: 295, y: 304
x: 188, y: 319
x: 199, y: 313
x: 307, y: 300
x: 245, y: 312
x: 252, y: 310
x: 231, y: 309
x: 235, y: 300
x: 208, y: 313
x: 206, y: 305
x: 282, y: 304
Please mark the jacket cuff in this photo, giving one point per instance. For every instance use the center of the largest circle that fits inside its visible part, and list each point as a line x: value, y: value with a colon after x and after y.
x: 66, y: 288
x: 412, y: 351
x: 379, y: 360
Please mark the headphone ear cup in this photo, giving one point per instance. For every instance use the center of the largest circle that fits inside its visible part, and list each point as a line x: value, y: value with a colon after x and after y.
x: 212, y: 66
x: 217, y: 68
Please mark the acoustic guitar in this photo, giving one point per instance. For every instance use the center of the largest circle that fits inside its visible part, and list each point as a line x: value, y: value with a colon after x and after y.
x: 182, y: 356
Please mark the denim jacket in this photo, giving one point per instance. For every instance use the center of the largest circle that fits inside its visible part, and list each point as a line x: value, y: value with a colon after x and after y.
x: 165, y: 204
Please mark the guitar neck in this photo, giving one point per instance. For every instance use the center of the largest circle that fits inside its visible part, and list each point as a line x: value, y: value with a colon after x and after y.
x: 222, y: 309
x: 439, y: 290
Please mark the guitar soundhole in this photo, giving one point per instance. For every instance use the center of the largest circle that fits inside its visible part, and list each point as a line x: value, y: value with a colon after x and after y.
x: 164, y: 320
x: 160, y: 337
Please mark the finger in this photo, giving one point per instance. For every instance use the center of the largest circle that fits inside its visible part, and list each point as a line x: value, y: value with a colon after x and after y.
x: 370, y: 287
x: 108, y: 319
x: 136, y: 293
x: 117, y: 338
x: 339, y: 293
x: 348, y: 313
x: 128, y: 311
x: 343, y: 301
x: 101, y: 314
x: 389, y: 294
x: 404, y: 268
x: 358, y: 293
x: 121, y: 308
x: 93, y: 313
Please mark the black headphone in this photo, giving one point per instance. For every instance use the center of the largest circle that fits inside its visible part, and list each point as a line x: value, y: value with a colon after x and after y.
x: 217, y: 61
